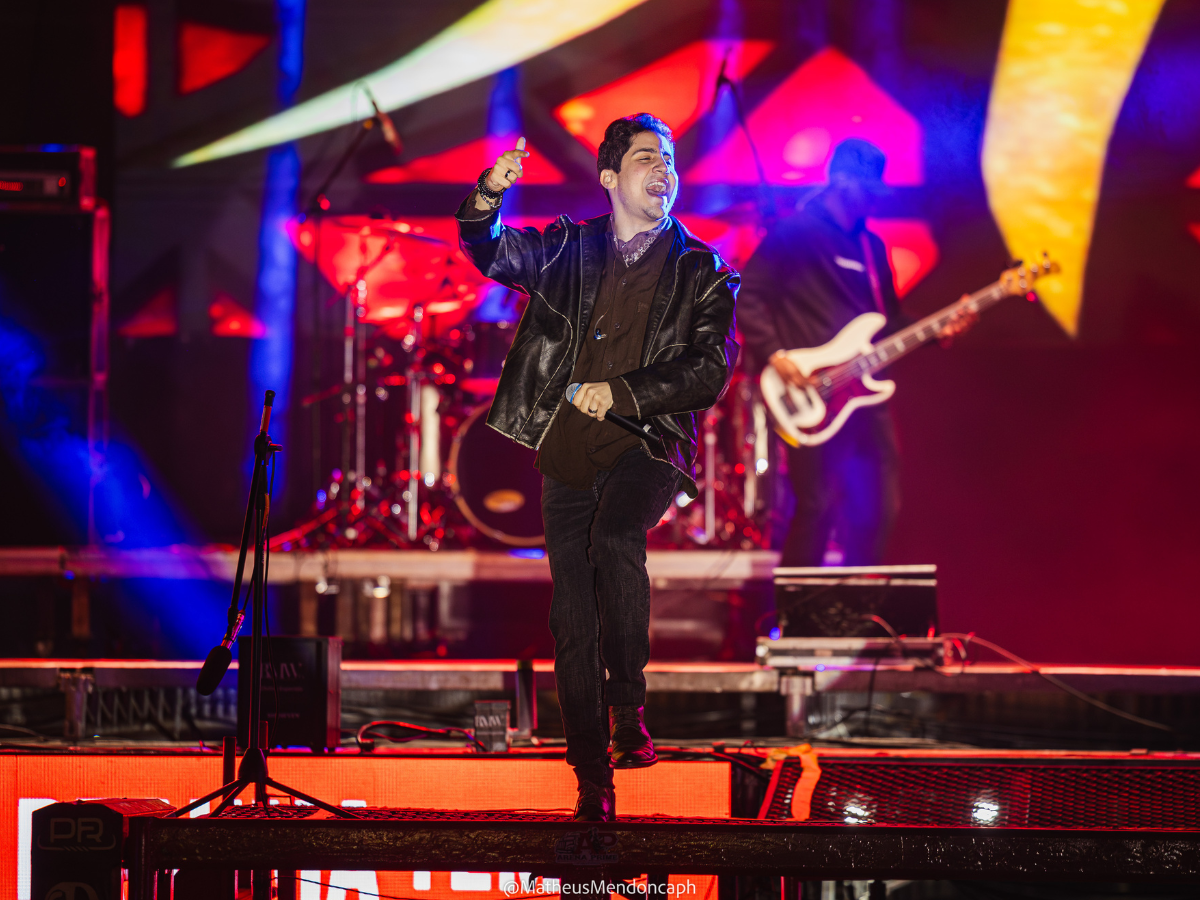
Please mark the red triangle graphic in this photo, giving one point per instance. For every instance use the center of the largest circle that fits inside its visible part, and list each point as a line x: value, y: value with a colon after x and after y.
x: 911, y: 249
x: 677, y: 88
x: 462, y: 165
x: 826, y: 100
x: 207, y: 54
x: 231, y: 319
x: 158, y: 318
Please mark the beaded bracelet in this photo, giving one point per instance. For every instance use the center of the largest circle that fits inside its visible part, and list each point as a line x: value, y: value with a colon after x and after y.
x: 490, y: 197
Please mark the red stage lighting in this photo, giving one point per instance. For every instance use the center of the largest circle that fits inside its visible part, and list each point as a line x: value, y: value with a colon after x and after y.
x: 911, y: 249
x: 130, y: 65
x: 462, y: 165
x: 231, y: 319
x: 677, y: 88
x: 158, y: 318
x: 208, y: 54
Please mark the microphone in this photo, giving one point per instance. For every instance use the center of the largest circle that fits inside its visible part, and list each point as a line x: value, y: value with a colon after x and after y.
x: 262, y: 443
x: 265, y: 421
x: 385, y: 124
x: 722, y: 81
x: 722, y: 78
x: 642, y: 431
x: 219, y: 657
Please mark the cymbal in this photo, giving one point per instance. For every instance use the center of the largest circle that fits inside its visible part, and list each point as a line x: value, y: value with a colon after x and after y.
x: 400, y: 264
x: 355, y: 225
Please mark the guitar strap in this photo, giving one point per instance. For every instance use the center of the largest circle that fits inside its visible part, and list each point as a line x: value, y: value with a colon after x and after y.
x: 872, y: 272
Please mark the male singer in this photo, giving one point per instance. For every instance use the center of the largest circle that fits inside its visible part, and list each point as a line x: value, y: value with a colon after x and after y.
x: 639, y: 312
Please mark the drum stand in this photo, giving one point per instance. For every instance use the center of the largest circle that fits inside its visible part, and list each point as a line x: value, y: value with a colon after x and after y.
x: 354, y: 516
x: 351, y: 513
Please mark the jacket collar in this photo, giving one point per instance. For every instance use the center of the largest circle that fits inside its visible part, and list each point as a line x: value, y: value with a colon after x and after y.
x: 592, y: 236
x: 591, y: 252
x: 682, y: 241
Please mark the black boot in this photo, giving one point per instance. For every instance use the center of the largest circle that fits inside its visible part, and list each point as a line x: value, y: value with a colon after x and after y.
x: 597, y: 799
x: 632, y: 747
x: 597, y: 802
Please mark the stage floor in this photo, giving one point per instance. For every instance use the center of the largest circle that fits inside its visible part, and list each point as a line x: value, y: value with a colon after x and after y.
x: 481, y: 811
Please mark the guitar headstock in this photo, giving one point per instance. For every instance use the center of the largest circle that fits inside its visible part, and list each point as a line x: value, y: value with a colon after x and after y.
x: 1018, y: 280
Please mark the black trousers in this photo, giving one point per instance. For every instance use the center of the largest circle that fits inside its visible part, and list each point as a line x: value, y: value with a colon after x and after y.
x: 600, y: 612
x: 847, y: 489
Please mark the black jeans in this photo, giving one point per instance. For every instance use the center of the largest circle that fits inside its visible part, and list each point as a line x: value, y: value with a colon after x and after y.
x: 600, y: 614
x: 847, y: 488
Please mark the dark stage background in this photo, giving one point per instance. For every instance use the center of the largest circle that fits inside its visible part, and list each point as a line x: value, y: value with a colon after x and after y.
x: 1052, y: 478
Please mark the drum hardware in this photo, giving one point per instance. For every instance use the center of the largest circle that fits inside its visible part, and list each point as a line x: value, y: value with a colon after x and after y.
x: 403, y: 288
x: 724, y: 515
x: 710, y: 478
x: 356, y: 509
x: 494, y: 483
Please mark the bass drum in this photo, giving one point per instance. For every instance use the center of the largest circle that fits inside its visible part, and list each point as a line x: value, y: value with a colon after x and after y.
x: 495, y: 484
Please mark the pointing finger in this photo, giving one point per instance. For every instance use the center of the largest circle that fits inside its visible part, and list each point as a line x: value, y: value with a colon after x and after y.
x: 520, y: 143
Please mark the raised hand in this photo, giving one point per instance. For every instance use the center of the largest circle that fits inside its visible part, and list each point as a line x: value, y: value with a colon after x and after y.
x: 507, y: 169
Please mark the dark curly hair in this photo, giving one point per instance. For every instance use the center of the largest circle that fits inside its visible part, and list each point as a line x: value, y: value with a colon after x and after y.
x: 619, y: 135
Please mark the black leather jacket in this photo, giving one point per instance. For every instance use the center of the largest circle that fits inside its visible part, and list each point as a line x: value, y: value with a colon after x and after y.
x: 688, y: 354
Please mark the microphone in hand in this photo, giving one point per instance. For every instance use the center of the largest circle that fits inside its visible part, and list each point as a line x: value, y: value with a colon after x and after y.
x: 642, y: 431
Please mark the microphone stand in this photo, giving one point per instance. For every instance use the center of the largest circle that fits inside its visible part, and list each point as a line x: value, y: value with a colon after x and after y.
x: 318, y: 203
x: 766, y: 201
x: 253, y: 768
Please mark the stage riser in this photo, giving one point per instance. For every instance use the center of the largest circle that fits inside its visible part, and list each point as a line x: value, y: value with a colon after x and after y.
x: 31, y: 779
x: 812, y: 853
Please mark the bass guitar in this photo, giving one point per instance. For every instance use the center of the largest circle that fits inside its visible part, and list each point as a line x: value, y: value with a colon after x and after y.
x: 840, y: 372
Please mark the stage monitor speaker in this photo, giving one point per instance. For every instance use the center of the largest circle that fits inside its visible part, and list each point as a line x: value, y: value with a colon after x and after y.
x: 306, y: 675
x: 839, y: 601
x: 77, y: 849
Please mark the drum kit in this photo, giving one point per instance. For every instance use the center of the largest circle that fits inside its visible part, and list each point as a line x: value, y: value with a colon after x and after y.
x: 423, y: 340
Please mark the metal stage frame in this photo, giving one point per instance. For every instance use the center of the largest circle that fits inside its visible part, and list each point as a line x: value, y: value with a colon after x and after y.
x: 801, y: 686
x: 684, y: 677
x: 715, y: 569
x: 480, y: 842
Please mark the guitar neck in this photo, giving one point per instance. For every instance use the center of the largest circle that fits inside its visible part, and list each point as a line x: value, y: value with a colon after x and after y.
x: 906, y: 340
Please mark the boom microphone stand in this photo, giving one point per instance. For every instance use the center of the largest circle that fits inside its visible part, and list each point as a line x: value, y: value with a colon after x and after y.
x: 253, y: 769
x: 766, y: 197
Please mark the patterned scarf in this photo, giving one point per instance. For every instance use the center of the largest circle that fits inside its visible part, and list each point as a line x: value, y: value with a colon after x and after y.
x: 635, y: 248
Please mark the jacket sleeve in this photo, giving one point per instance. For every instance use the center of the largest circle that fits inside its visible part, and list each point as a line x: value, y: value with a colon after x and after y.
x: 512, y: 256
x: 762, y: 282
x: 699, y: 375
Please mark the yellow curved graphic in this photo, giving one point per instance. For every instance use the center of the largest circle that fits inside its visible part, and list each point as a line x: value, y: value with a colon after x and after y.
x: 1062, y: 75
x: 495, y: 36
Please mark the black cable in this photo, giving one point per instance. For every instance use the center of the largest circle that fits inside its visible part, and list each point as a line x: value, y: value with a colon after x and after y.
x: 19, y: 730
x: 962, y: 641
x: 361, y: 892
x: 419, y: 731
x: 1057, y: 682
